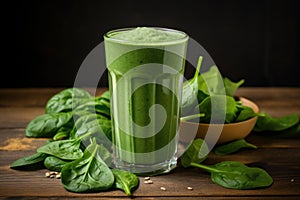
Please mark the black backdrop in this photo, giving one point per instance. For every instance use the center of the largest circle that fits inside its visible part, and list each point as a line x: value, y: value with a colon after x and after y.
x: 256, y: 40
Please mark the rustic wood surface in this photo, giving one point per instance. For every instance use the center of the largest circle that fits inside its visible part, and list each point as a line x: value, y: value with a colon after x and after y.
x: 278, y: 155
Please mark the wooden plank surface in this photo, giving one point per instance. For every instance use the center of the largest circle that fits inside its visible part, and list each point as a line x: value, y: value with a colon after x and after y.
x: 279, y: 156
x: 283, y: 170
x: 32, y: 97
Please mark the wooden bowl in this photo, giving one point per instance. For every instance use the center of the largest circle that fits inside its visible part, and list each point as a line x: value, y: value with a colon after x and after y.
x: 229, y: 132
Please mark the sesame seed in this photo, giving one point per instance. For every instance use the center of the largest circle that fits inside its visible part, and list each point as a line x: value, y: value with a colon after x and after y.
x: 58, y: 176
x: 189, y: 188
x: 163, y: 188
x: 147, y: 178
x: 47, y: 174
x: 148, y: 182
x: 52, y: 173
x: 52, y: 176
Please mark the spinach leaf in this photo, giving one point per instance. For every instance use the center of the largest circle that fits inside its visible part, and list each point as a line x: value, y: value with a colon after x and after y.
x: 125, y: 181
x: 228, y: 174
x: 104, y: 102
x: 64, y: 149
x: 64, y: 100
x: 293, y: 132
x: 104, y: 98
x: 98, y: 125
x: 211, y: 82
x: 197, y: 152
x: 47, y: 125
x: 233, y: 147
x: 88, y: 173
x: 266, y: 122
x: 29, y: 161
x: 54, y: 164
x: 245, y: 113
x: 62, y: 133
x: 103, y: 153
x: 190, y: 91
x: 82, y: 120
x: 106, y: 95
x: 201, y: 96
x: 235, y: 175
x: 98, y: 105
x: 231, y: 87
x: 224, y: 106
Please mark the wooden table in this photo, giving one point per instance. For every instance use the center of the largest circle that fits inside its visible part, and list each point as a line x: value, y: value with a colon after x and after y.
x: 277, y: 155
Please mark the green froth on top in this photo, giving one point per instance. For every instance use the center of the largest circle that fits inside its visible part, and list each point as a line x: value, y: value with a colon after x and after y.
x: 148, y: 35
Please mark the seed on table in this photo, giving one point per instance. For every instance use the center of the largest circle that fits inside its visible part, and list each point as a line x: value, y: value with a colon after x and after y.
x: 52, y: 176
x: 163, y: 188
x: 148, y: 182
x: 189, y: 188
x: 292, y: 180
x: 47, y: 174
x: 53, y: 173
x: 58, y: 176
x: 147, y: 178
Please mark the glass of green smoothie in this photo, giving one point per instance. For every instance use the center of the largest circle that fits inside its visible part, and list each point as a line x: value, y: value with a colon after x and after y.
x: 146, y: 67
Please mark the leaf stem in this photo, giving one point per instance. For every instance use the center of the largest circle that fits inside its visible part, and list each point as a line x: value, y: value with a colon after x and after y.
x: 126, y: 189
x: 205, y: 167
x: 189, y: 117
x: 198, y: 66
x: 251, y: 145
x: 92, y: 156
x: 84, y: 135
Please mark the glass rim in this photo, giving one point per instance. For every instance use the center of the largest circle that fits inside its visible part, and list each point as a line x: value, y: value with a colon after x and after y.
x: 107, y: 36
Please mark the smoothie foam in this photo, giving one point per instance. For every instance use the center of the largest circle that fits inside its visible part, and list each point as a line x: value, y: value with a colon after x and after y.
x: 145, y: 34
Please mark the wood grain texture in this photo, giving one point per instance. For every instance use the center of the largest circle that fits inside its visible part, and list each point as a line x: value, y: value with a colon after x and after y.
x: 30, y: 97
x: 278, y: 155
x: 29, y: 183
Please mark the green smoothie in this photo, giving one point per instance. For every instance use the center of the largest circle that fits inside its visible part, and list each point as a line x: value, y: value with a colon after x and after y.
x: 146, y: 68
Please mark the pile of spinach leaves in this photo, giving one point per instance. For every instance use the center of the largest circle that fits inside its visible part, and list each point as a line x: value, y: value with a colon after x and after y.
x: 211, y: 89
x: 217, y: 93
x: 79, y: 129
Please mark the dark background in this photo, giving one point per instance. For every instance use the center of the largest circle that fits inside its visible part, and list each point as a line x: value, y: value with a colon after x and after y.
x: 254, y: 40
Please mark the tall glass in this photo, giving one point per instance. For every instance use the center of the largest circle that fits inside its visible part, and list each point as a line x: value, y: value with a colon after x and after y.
x: 145, y: 82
